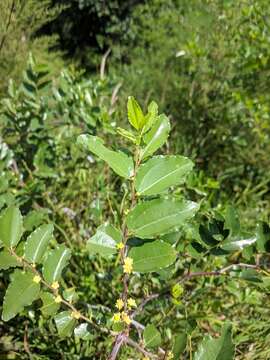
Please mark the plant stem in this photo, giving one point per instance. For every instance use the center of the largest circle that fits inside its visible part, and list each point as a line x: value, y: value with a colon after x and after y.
x: 32, y: 268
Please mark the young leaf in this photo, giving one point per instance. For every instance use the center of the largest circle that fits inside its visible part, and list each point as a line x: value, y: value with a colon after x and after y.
x: 55, y: 263
x: 217, y: 349
x: 118, y: 161
x: 21, y: 292
x: 49, y: 307
x: 152, y: 256
x: 159, y: 216
x: 7, y: 260
x: 156, y: 137
x: 65, y: 323
x: 151, y: 116
x: 135, y: 114
x: 126, y: 134
x: 11, y: 226
x: 161, y: 172
x: 151, y: 336
x: 104, y: 241
x: 37, y: 242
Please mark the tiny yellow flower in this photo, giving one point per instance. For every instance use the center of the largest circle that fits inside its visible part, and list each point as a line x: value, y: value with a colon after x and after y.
x: 169, y: 355
x: 126, y: 211
x: 58, y: 299
x: 37, y: 279
x: 116, y: 317
x: 119, y: 304
x: 131, y: 303
x: 126, y: 318
x: 128, y: 265
x: 55, y: 285
x: 146, y: 358
x: 120, y: 246
x: 76, y: 315
x: 177, y: 291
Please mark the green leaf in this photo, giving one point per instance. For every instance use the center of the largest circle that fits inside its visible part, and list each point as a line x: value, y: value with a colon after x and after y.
x: 21, y: 292
x: 236, y: 244
x: 263, y: 237
x: 37, y: 242
x: 11, y: 226
x: 156, y: 137
x: 152, y: 256
x: 34, y: 218
x: 55, y: 263
x: 82, y: 331
x: 65, y: 323
x: 180, y: 343
x: 118, y: 161
x: 126, y: 134
x: 7, y: 260
x: 217, y: 349
x: 232, y: 222
x: 49, y: 307
x: 151, y: 336
x: 159, y: 216
x: 160, y: 173
x: 104, y: 241
x: 135, y: 114
x: 70, y: 295
x: 151, y: 116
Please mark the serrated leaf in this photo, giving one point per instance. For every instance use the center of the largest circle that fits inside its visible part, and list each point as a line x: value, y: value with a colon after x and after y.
x: 159, y: 216
x: 21, y: 292
x: 37, y: 242
x: 135, y: 114
x: 152, y: 256
x: 104, y: 241
x: 151, y: 336
x: 82, y: 331
x: 217, y: 349
x: 156, y: 137
x: 55, y: 263
x: 118, y: 161
x: 7, y: 260
x: 160, y: 173
x: 49, y: 307
x: 11, y: 226
x: 65, y: 323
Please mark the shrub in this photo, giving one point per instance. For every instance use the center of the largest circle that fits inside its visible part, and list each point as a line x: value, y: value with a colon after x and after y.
x: 155, y: 232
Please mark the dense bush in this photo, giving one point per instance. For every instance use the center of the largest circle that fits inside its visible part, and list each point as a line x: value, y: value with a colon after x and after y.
x: 148, y: 254
x: 206, y: 63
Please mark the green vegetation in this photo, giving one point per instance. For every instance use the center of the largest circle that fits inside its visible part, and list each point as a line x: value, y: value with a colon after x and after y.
x: 134, y: 179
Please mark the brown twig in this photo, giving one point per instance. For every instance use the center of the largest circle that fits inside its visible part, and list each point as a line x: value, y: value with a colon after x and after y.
x: 29, y: 266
